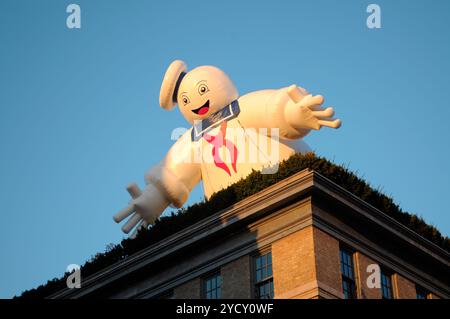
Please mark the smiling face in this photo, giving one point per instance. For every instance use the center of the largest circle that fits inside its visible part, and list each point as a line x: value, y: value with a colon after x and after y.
x: 204, y: 91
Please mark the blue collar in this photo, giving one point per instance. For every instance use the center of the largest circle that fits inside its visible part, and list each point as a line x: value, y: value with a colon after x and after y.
x: 229, y: 112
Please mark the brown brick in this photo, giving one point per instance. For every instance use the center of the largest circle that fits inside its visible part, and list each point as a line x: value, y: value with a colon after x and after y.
x: 236, y: 281
x: 326, y: 250
x: 293, y: 262
x: 364, y: 292
x: 403, y: 288
x: 188, y: 290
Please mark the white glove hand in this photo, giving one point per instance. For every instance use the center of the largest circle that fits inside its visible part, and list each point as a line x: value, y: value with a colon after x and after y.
x: 144, y: 209
x: 306, y: 112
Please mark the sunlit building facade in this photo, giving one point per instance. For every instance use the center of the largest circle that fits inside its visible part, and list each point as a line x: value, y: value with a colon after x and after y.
x: 304, y: 237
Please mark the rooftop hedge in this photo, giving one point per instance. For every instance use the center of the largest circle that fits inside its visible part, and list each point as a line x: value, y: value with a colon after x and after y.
x: 254, y: 183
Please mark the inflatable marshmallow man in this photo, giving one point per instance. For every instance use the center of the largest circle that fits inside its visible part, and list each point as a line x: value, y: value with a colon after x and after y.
x: 230, y: 136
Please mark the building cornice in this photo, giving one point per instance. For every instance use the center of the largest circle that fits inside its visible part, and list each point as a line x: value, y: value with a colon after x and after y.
x: 254, y: 210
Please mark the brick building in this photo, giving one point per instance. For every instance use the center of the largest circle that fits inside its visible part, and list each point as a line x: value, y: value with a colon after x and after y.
x: 304, y: 237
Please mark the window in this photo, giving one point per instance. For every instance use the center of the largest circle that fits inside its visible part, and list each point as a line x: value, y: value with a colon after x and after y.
x: 422, y: 293
x: 212, y: 286
x: 348, y: 274
x: 386, y: 285
x: 263, y: 276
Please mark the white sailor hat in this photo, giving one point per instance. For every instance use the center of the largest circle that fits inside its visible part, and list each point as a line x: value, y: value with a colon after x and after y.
x: 171, y: 82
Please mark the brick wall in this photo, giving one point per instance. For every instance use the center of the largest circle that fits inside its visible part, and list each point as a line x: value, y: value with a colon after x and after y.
x: 305, y: 264
x: 328, y: 269
x: 364, y: 292
x: 293, y: 264
x: 188, y: 290
x: 236, y: 277
x: 403, y: 288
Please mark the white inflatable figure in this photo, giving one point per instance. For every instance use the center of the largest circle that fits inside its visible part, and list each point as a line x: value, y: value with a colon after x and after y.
x: 230, y: 136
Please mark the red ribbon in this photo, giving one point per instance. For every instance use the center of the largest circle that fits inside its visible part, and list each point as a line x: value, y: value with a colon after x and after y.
x: 217, y: 142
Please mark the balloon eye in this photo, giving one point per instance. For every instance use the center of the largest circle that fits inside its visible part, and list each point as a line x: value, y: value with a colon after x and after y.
x: 202, y: 89
x: 185, y: 100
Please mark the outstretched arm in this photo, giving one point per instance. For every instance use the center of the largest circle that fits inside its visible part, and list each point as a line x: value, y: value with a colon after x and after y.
x: 292, y: 110
x: 168, y: 183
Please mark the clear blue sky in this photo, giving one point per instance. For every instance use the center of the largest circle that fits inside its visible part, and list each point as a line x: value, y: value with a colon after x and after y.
x: 79, y: 114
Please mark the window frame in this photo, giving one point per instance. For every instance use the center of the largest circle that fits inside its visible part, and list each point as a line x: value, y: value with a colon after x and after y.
x: 389, y: 275
x: 266, y: 280
x: 346, y: 280
x: 204, y: 282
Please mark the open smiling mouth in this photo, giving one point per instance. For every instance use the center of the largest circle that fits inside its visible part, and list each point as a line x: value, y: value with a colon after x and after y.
x: 202, y: 109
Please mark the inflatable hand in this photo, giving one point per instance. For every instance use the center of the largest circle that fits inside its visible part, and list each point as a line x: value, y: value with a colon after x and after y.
x: 306, y: 112
x: 145, y: 207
